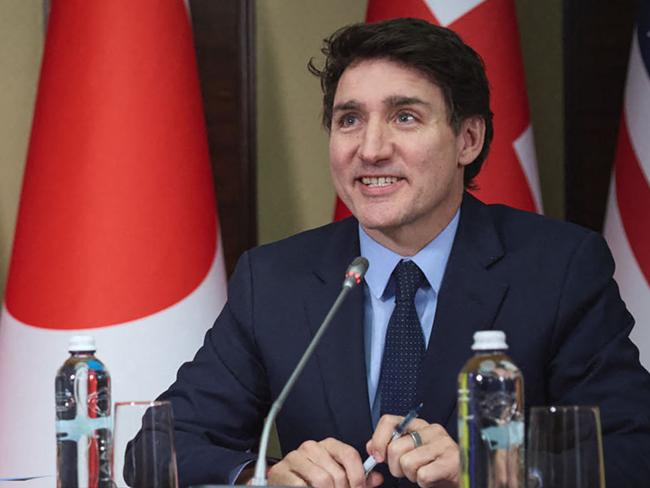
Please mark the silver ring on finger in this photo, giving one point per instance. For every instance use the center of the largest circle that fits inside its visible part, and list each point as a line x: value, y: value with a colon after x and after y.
x: 417, y: 440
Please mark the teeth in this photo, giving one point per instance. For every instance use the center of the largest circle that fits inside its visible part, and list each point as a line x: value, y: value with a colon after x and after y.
x: 379, y: 181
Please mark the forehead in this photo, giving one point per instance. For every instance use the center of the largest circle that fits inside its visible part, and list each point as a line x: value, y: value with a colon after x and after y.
x: 376, y: 77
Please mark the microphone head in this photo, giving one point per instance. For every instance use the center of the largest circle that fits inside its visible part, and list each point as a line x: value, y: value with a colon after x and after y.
x: 355, y: 272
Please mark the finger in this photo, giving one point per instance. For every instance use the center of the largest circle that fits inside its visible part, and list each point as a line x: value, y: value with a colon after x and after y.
x: 287, y: 479
x: 374, y: 479
x: 376, y: 446
x: 444, y: 468
x: 325, y: 455
x: 437, y: 459
x: 404, y: 459
x: 298, y: 464
x: 318, y: 477
x: 399, y: 447
x: 347, y: 457
x: 414, y: 459
x: 396, y: 451
x: 383, y: 434
x: 281, y: 474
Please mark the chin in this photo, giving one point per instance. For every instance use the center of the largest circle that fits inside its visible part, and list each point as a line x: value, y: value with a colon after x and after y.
x: 377, y: 222
x: 376, y: 214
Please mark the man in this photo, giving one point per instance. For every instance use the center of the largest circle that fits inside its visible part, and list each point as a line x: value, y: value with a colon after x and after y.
x: 406, y: 105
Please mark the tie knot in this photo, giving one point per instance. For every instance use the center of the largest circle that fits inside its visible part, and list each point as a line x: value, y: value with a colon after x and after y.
x: 408, y: 279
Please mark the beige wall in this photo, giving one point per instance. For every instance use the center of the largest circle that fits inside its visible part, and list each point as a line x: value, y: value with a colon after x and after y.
x: 294, y: 188
x: 294, y: 191
x: 21, y: 40
x: 540, y: 27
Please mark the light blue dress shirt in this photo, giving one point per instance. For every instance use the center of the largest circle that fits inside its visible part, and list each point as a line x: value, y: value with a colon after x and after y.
x: 379, y: 294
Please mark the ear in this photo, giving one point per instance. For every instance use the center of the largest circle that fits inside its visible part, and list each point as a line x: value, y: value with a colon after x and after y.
x: 470, y: 139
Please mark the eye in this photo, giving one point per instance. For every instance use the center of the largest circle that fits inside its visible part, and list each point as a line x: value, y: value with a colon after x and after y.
x: 348, y: 120
x: 405, y: 117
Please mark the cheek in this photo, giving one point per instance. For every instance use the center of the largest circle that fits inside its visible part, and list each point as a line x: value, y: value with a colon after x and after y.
x: 431, y: 174
x: 336, y: 169
x: 340, y: 156
x: 338, y: 172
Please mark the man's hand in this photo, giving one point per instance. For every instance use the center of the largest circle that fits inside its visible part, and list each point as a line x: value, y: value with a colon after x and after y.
x: 436, y: 463
x: 326, y: 464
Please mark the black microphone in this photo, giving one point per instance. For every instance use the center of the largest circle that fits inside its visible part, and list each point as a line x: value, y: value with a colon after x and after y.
x: 353, y: 276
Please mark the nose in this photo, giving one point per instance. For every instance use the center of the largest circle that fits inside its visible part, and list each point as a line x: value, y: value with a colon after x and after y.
x: 375, y: 145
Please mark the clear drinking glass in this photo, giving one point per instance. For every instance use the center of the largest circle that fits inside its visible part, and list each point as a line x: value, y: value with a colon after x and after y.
x: 565, y: 448
x: 144, y: 454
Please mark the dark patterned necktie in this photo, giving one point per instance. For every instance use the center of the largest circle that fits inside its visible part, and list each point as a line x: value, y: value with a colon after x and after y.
x: 404, y: 347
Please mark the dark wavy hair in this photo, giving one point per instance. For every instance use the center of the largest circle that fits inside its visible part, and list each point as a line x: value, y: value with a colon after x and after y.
x: 437, y: 52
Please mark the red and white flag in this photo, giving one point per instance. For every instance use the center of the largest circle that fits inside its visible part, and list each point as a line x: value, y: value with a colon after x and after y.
x: 627, y: 223
x: 117, y: 232
x: 490, y: 26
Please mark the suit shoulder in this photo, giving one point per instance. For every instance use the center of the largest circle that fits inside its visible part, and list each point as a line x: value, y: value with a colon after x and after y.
x: 518, y: 227
x: 302, y: 248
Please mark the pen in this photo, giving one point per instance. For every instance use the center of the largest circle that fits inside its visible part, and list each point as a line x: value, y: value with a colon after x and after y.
x: 370, y: 462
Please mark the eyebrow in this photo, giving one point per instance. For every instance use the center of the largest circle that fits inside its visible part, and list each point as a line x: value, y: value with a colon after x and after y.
x: 394, y: 101
x: 401, y: 101
x: 349, y: 105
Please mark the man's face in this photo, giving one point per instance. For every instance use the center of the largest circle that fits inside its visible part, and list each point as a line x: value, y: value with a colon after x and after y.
x: 395, y: 160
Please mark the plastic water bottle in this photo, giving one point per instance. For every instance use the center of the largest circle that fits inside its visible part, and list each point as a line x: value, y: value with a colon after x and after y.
x: 491, y: 416
x: 83, y: 419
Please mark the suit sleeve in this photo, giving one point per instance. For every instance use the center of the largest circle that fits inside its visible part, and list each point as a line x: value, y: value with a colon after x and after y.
x: 595, y: 363
x: 221, y: 397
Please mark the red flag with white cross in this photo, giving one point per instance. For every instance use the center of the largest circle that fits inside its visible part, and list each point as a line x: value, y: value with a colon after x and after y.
x: 509, y: 175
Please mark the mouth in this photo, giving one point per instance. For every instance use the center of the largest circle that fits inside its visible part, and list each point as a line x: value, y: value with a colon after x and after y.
x: 379, y: 181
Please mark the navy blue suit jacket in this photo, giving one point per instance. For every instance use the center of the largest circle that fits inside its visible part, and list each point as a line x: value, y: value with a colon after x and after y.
x: 547, y: 284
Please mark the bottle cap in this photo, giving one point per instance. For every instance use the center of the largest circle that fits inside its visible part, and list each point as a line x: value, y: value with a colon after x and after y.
x: 489, y: 340
x: 82, y: 343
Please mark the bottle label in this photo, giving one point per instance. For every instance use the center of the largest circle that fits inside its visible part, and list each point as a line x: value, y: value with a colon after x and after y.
x: 510, y: 434
x: 64, y: 402
x: 75, y: 429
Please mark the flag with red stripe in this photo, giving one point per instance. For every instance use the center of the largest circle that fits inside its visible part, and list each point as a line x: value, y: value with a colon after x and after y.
x: 117, y: 232
x: 627, y: 223
x: 509, y: 175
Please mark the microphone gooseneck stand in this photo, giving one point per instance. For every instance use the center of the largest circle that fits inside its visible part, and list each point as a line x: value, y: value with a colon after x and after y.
x: 353, y: 276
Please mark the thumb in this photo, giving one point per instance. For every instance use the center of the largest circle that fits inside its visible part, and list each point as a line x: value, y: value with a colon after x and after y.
x: 370, y: 449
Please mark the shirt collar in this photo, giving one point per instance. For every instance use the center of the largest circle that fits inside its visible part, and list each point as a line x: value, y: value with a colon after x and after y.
x: 432, y: 259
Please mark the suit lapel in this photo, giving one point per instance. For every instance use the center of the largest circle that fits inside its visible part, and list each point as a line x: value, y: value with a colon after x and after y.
x: 469, y: 300
x: 341, y: 353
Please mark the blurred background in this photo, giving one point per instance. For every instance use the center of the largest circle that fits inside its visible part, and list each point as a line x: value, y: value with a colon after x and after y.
x: 263, y: 108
